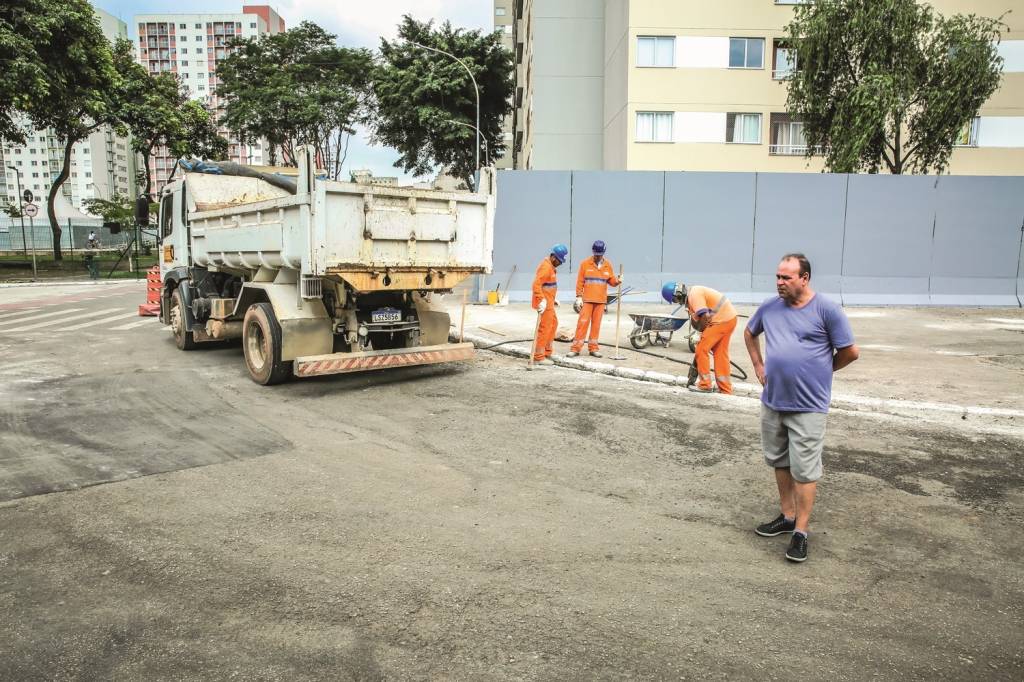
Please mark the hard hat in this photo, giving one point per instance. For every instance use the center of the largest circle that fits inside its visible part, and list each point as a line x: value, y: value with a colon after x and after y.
x: 598, y: 247
x: 674, y: 292
x: 560, y: 251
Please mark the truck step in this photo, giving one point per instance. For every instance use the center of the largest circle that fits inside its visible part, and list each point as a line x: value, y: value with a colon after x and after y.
x: 341, y: 363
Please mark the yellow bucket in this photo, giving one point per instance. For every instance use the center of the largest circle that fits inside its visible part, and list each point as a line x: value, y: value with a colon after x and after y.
x: 492, y: 298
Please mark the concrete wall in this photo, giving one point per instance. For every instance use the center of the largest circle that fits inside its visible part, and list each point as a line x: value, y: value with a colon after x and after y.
x: 872, y: 239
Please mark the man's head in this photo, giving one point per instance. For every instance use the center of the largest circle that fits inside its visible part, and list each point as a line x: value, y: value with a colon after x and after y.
x: 793, y: 277
x: 598, y: 250
x: 559, y: 252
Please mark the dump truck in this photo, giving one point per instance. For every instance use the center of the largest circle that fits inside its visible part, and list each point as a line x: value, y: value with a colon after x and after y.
x: 317, y: 276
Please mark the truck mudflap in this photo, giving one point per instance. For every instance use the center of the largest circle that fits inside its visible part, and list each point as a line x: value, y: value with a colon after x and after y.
x: 342, y: 363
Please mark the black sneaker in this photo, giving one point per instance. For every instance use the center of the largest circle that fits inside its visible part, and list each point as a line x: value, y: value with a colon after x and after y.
x: 797, y: 548
x: 776, y: 527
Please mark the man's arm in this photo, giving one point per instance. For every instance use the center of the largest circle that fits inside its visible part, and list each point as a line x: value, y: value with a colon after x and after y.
x: 753, y: 345
x: 844, y: 356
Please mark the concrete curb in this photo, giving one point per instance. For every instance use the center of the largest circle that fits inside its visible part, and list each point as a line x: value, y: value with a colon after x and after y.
x: 70, y: 282
x: 851, y: 403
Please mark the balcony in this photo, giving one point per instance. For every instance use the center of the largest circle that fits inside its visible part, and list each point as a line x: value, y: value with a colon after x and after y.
x: 787, y: 149
x: 783, y: 74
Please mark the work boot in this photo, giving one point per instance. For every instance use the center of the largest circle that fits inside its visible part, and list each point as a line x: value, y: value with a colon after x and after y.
x: 776, y: 526
x: 797, y: 548
x: 544, y: 362
x: 595, y: 353
x: 698, y: 389
x: 572, y: 354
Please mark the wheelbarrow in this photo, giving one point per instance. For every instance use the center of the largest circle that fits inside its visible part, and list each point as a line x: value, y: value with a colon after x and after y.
x: 656, y: 330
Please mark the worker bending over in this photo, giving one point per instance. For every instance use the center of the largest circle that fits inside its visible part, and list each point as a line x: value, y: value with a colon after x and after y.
x: 595, y: 274
x: 545, y: 287
x: 714, y: 317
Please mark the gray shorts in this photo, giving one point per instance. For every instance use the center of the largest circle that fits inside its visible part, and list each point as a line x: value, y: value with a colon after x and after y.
x: 794, y: 440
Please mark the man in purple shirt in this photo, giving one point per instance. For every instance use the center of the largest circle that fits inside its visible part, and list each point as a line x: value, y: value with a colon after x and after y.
x: 808, y: 338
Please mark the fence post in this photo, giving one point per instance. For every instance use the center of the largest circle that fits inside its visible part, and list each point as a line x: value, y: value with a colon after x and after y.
x: 71, y: 240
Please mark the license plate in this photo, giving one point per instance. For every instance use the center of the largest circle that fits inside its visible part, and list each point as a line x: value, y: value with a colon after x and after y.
x: 386, y: 315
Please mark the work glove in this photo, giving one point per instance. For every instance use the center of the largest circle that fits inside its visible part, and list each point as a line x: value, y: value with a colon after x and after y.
x: 555, y: 301
x: 578, y: 305
x: 542, y: 306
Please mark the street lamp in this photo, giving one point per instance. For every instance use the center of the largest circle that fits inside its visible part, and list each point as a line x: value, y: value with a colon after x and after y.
x: 475, y: 89
x: 21, y: 212
x: 480, y: 136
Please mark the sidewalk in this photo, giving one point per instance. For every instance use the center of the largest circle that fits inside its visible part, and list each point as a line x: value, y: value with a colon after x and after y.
x: 906, y: 368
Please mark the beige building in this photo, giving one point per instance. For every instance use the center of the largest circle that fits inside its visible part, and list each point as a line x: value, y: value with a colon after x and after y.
x: 657, y: 85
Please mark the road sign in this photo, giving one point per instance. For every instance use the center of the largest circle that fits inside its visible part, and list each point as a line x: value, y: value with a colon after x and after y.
x: 31, y: 210
x: 28, y: 196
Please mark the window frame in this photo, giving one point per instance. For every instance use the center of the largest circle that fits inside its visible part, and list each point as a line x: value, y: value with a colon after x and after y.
x: 655, y: 64
x: 654, y: 127
x: 746, y: 52
x: 760, y: 126
x: 972, y: 134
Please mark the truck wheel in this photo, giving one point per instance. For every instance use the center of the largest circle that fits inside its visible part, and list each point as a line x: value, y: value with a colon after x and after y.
x: 261, y: 343
x: 183, y: 338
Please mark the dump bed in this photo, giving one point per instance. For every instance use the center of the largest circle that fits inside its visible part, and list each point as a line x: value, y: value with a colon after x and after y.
x: 372, y: 236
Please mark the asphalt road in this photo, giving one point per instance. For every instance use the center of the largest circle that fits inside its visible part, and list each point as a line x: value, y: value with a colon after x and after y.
x: 468, y: 522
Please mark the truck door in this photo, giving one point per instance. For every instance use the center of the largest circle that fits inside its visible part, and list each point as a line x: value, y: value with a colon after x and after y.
x: 173, y: 233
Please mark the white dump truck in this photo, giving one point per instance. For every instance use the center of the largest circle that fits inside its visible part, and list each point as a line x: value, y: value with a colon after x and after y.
x: 318, y: 276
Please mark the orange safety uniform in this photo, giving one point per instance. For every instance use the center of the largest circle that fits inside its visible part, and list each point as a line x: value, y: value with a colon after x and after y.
x: 592, y: 286
x: 714, y: 338
x: 545, y: 286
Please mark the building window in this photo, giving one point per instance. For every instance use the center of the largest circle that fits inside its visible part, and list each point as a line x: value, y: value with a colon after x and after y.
x: 200, y: 87
x: 654, y: 126
x: 507, y: 28
x: 783, y: 61
x: 181, y: 25
x: 743, y: 128
x: 252, y: 25
x: 968, y: 135
x: 787, y: 136
x: 656, y: 51
x: 746, y: 53
x: 499, y: 11
x: 184, y: 63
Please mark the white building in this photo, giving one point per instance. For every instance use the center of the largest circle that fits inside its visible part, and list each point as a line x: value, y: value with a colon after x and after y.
x: 101, y: 166
x: 190, y: 46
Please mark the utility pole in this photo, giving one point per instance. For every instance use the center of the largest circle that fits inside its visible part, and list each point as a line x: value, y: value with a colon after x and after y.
x: 21, y: 213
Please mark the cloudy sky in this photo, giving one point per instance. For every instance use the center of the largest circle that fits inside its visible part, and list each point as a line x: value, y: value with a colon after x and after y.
x: 359, y: 23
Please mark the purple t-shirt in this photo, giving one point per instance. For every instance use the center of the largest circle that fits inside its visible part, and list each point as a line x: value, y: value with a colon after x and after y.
x: 800, y: 343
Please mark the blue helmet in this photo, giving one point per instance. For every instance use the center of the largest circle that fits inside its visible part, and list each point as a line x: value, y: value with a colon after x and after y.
x: 598, y: 247
x: 560, y: 251
x: 673, y: 292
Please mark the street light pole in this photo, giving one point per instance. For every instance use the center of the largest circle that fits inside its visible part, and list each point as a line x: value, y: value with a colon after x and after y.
x: 24, y: 242
x: 475, y: 89
x: 487, y: 151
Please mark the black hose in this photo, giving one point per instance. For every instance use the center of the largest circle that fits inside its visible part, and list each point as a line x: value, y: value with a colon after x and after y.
x: 742, y: 376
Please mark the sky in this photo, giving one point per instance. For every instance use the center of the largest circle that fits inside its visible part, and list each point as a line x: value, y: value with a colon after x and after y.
x: 359, y: 23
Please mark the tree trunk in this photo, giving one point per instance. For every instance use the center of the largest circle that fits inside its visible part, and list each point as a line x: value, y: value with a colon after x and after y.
x: 149, y: 175
x: 51, y: 210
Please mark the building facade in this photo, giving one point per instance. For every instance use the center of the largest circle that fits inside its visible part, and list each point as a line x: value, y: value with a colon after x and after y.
x: 655, y: 85
x: 190, y: 46
x: 102, y: 165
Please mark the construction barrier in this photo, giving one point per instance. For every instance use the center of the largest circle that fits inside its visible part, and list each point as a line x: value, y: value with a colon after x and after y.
x: 153, y: 288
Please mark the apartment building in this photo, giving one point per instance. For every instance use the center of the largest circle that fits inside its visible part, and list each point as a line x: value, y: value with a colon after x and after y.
x: 655, y: 85
x: 190, y: 46
x: 101, y: 165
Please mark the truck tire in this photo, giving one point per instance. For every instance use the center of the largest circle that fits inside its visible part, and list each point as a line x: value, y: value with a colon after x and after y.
x: 183, y: 338
x: 261, y: 344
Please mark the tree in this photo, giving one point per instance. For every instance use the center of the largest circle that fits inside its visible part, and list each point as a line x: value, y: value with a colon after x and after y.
x: 888, y: 83
x: 420, y: 93
x: 295, y: 88
x: 71, y: 60
x: 157, y: 112
x: 22, y: 78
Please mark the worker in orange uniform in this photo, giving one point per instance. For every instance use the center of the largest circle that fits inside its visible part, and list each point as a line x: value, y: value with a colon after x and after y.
x: 595, y: 274
x: 545, y: 287
x: 714, y: 317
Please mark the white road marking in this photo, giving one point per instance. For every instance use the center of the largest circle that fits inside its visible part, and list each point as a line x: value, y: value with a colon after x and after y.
x: 13, y: 313
x: 1006, y: 320
x: 879, y: 346
x: 33, y: 318
x: 100, y: 321
x: 50, y: 323
x: 132, y: 325
x: 863, y: 313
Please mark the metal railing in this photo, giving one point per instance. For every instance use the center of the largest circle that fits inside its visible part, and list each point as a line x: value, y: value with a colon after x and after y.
x: 787, y: 149
x: 782, y: 74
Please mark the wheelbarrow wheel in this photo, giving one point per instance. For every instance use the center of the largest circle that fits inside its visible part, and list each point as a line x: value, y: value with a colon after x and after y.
x: 639, y: 340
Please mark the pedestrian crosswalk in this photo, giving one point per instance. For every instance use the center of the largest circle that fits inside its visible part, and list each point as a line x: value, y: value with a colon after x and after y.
x: 48, y: 320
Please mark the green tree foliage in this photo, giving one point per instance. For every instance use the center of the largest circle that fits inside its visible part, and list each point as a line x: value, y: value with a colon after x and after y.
x: 61, y: 49
x: 157, y: 112
x: 22, y: 72
x: 419, y: 93
x: 119, y: 209
x: 296, y: 88
x: 889, y: 83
